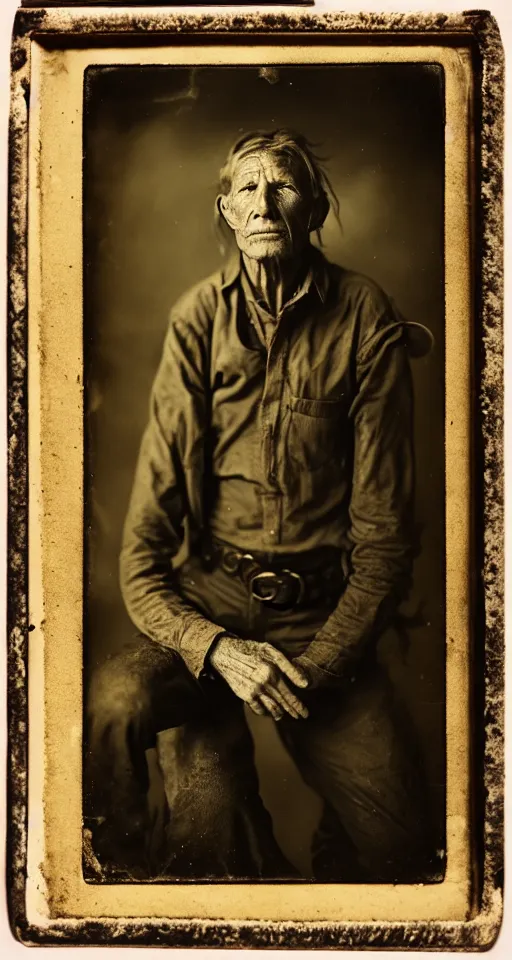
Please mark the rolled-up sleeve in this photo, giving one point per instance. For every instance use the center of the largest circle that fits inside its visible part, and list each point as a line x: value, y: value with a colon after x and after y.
x: 160, y: 509
x: 381, y: 505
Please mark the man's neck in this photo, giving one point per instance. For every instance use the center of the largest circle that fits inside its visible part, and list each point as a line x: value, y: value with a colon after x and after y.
x: 275, y: 281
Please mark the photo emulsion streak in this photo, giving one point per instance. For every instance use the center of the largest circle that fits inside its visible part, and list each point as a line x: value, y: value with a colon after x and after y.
x: 264, y: 626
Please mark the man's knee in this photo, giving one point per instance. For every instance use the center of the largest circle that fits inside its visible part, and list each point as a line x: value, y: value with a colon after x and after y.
x: 144, y: 685
x: 117, y: 693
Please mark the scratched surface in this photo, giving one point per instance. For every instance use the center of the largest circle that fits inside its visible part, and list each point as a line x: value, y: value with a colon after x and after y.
x: 148, y: 238
x: 479, y: 932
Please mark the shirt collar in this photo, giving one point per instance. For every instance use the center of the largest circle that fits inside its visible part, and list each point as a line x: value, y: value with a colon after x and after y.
x: 231, y: 270
x: 318, y: 273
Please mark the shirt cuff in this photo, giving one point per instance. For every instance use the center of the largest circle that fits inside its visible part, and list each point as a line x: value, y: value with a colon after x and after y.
x: 317, y: 675
x: 195, y: 643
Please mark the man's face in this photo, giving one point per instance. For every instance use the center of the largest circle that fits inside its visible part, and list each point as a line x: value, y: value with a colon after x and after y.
x: 266, y: 209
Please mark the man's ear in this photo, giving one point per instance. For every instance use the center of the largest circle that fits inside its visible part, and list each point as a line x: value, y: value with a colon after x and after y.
x: 225, y: 211
x: 319, y: 212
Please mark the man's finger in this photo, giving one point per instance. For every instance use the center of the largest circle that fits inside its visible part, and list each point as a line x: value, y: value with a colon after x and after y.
x: 290, y: 698
x: 257, y: 707
x: 287, y: 704
x: 271, y: 706
x: 294, y: 673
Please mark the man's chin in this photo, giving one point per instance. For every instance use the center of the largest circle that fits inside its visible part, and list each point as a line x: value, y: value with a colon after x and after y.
x: 266, y: 248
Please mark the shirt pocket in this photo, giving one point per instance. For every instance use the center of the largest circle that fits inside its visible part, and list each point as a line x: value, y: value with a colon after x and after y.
x: 315, y: 432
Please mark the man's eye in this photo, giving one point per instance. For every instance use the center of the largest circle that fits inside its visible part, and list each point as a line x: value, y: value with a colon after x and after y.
x: 248, y: 187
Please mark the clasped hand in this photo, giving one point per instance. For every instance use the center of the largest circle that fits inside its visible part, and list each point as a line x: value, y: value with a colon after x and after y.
x: 259, y: 674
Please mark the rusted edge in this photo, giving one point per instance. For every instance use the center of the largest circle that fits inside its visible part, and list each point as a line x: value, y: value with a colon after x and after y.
x: 481, y: 931
x: 287, y: 935
x: 90, y: 22
x: 489, y: 485
x: 17, y: 466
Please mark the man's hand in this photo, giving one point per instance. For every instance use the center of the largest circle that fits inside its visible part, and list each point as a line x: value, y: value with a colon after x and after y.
x: 256, y: 673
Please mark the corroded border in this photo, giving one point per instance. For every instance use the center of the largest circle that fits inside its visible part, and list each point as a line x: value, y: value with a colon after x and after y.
x: 479, y: 31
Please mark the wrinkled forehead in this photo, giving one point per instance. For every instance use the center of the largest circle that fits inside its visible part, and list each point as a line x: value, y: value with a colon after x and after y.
x: 264, y: 163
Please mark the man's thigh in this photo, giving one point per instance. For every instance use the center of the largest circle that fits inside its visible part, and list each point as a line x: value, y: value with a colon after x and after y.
x: 147, y: 682
x: 358, y: 753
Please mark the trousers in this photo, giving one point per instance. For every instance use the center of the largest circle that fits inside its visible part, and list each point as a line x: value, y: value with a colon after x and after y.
x: 355, y: 750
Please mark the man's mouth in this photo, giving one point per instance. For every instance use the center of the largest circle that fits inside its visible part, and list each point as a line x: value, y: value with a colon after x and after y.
x: 267, y: 233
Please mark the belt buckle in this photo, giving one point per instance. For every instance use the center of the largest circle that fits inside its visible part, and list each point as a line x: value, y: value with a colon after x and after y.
x: 277, y: 585
x: 265, y: 575
x: 301, y: 586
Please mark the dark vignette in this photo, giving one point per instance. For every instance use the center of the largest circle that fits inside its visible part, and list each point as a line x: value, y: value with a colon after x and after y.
x: 480, y: 32
x: 121, y: 95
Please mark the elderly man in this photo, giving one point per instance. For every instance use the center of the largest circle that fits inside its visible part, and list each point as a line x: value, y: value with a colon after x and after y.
x: 267, y: 543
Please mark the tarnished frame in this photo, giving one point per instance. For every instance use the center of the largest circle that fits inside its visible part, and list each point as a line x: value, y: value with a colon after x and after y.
x: 479, y: 32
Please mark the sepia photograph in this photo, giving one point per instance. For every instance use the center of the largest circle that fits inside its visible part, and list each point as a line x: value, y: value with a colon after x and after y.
x: 256, y: 645
x: 265, y: 473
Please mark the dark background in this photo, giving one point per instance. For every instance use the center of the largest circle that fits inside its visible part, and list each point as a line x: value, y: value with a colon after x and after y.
x: 155, y: 139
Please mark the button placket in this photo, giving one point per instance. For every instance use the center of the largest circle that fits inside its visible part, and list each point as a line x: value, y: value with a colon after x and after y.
x: 272, y: 504
x: 271, y: 400
x: 267, y: 402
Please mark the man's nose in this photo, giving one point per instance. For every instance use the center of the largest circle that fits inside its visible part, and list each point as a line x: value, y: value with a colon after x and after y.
x: 262, y: 200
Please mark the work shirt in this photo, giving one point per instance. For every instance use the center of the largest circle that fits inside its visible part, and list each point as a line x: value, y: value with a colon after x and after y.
x: 263, y: 321
x: 285, y: 448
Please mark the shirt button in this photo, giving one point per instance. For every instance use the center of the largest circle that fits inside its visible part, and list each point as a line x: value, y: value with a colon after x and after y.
x: 272, y: 533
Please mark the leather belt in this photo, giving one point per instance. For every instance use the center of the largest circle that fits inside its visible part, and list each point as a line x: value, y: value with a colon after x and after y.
x: 274, y: 583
